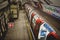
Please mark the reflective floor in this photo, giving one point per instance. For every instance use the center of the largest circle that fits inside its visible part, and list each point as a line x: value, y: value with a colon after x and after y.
x: 19, y: 31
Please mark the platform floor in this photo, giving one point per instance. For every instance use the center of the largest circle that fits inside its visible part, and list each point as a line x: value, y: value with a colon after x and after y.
x: 19, y: 31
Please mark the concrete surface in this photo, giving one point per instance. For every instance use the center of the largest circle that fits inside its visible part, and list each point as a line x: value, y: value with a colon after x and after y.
x: 55, y: 2
x: 19, y: 31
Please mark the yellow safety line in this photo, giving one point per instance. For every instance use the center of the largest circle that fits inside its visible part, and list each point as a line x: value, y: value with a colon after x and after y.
x: 29, y: 31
